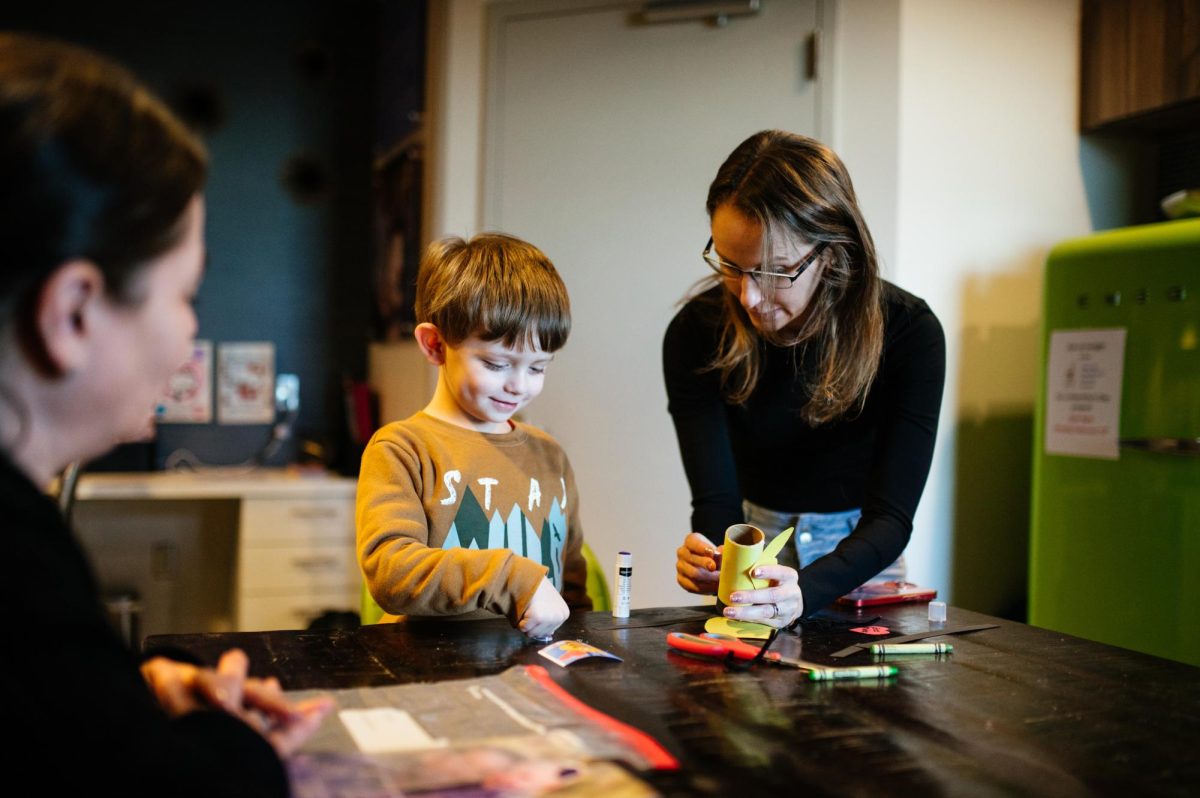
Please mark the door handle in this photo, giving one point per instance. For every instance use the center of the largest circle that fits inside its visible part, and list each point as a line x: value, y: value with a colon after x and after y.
x: 1188, y: 447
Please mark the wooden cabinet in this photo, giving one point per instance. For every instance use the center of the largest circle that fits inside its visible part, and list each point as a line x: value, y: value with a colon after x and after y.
x: 1140, y: 63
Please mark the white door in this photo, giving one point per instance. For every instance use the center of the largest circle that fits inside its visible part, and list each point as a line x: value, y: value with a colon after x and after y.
x: 603, y: 134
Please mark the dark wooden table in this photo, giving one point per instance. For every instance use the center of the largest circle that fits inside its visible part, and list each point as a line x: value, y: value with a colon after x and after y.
x: 1014, y: 710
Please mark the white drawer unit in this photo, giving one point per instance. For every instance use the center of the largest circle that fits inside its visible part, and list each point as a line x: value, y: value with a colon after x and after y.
x: 289, y: 522
x: 267, y: 613
x: 264, y: 571
x: 296, y: 559
x: 293, y: 555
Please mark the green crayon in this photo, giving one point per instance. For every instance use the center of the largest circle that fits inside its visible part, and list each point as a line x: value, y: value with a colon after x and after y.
x: 862, y: 672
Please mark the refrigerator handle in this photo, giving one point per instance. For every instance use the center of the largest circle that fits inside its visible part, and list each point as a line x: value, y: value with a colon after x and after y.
x: 1189, y: 447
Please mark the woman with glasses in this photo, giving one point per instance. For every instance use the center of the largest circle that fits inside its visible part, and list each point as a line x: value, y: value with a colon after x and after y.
x: 101, y: 255
x: 804, y: 388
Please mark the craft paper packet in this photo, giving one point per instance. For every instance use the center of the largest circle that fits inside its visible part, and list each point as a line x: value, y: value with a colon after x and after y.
x: 564, y: 652
x: 451, y: 733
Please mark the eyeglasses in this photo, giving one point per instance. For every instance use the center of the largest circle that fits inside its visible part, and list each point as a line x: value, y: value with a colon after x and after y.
x: 765, y: 279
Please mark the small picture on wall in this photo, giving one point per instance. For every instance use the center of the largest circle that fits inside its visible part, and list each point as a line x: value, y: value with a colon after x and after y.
x: 188, y: 396
x: 397, y: 190
x: 246, y: 382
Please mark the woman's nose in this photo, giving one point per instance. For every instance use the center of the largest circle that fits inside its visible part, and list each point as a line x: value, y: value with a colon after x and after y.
x: 749, y: 292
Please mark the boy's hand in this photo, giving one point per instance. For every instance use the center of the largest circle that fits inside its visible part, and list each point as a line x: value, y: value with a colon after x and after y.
x: 545, y: 613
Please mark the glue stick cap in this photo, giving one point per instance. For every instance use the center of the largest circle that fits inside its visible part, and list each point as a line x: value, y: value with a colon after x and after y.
x: 937, y: 612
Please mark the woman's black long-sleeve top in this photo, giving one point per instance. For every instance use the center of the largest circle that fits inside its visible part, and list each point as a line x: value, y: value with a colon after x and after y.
x: 877, y: 459
x: 80, y: 717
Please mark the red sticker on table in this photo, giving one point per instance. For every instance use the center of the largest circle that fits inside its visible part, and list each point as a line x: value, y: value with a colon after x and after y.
x: 871, y: 630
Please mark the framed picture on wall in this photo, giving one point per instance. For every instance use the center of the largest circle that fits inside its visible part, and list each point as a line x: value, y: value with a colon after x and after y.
x: 397, y: 191
x: 188, y: 395
x: 246, y: 382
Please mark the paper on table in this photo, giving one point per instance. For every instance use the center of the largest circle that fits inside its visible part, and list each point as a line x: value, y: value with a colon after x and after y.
x: 745, y: 630
x: 382, y: 729
x: 518, y: 720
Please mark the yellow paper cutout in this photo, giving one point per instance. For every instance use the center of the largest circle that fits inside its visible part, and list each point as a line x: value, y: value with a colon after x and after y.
x: 770, y: 556
x: 746, y: 630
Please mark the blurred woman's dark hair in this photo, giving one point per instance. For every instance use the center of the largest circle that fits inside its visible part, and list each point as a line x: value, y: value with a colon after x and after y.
x: 92, y: 167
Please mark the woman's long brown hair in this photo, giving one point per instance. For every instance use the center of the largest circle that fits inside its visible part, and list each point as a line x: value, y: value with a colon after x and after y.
x: 797, y: 186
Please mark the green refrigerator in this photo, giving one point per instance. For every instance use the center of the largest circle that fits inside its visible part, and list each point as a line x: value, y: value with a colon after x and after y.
x: 1115, y: 533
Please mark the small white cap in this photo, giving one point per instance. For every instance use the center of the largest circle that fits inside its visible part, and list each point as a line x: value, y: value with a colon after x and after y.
x: 937, y: 612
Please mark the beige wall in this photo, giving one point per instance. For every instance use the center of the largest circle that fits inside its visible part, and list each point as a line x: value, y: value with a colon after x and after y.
x: 864, y: 35
x: 957, y: 120
x: 989, y: 180
x: 455, y: 99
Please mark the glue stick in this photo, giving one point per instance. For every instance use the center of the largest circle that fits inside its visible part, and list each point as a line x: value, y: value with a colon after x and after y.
x: 624, y: 580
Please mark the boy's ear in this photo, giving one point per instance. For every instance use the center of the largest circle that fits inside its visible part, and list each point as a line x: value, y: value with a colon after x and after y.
x: 433, y: 346
x: 63, y: 317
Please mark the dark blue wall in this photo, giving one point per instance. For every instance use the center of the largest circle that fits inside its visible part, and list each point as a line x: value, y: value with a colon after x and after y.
x: 291, y: 80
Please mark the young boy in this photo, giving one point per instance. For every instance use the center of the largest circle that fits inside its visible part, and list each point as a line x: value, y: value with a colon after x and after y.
x: 461, y: 509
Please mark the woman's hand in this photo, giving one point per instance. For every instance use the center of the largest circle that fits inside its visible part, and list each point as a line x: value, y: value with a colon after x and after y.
x: 181, y: 688
x: 778, y: 605
x: 286, y: 730
x: 698, y: 564
x: 545, y: 613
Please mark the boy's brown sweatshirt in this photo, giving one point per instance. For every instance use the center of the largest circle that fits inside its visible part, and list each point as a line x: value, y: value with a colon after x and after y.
x: 452, y: 521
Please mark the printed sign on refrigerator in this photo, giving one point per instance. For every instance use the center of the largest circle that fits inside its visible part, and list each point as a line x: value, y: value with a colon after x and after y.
x: 1083, y: 392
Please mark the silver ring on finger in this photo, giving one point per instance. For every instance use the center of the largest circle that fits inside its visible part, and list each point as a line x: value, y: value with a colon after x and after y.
x: 774, y: 611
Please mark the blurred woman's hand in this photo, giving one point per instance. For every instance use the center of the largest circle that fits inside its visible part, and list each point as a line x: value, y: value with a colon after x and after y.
x: 181, y: 688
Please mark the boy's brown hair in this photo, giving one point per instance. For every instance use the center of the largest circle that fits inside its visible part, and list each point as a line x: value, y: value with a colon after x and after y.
x: 494, y: 287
